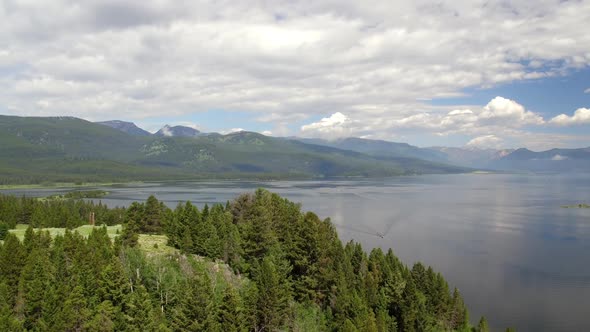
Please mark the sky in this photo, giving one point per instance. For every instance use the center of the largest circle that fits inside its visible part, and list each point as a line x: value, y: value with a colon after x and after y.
x: 482, y: 74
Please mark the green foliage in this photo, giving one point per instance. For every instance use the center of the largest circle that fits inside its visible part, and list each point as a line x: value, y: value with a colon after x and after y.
x: 36, y: 278
x: 102, y: 318
x: 482, y: 326
x: 257, y: 263
x: 13, y: 257
x: 79, y: 194
x: 4, y: 227
x: 274, y: 292
x: 74, y: 313
x: 194, y: 309
x: 56, y: 213
x: 231, y: 312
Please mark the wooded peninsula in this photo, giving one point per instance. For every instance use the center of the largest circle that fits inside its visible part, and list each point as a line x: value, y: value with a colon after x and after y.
x: 257, y: 263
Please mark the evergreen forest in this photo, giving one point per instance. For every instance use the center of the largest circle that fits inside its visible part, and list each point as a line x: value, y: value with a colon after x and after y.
x: 257, y: 263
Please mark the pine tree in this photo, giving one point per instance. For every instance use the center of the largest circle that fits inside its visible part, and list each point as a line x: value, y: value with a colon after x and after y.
x: 231, y: 312
x: 209, y: 240
x: 186, y: 243
x: 139, y: 313
x: 303, y: 253
x: 12, y: 261
x: 75, y: 312
x: 100, y: 247
x: 133, y: 225
x: 35, y: 279
x: 153, y: 216
x: 258, y: 235
x: 482, y: 326
x: 112, y: 284
x: 7, y: 320
x: 410, y: 307
x: 191, y: 313
x: 459, y: 317
x: 274, y: 293
x: 30, y: 239
x: 53, y: 302
x: 103, y: 318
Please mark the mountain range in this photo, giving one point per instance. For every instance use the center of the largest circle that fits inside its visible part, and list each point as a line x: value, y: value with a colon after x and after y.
x: 464, y: 157
x: 68, y: 149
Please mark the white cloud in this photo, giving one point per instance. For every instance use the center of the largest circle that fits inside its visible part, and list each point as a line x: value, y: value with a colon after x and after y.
x: 267, y: 133
x: 500, y: 117
x: 504, y: 109
x: 581, y: 116
x: 587, y: 90
x: 487, y: 141
x: 460, y: 112
x: 166, y: 131
x: 336, y: 125
x: 499, y: 114
x: 558, y: 157
x: 231, y: 131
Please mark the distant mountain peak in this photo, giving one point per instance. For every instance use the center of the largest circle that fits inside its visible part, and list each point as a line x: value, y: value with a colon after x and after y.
x: 126, y: 127
x: 177, y: 131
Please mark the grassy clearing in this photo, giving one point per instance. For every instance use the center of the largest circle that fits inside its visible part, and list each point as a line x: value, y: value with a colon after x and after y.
x: 85, y: 230
x: 155, y: 244
x: 155, y: 247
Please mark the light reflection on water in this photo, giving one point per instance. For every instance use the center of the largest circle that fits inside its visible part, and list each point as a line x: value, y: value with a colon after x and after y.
x: 503, y: 240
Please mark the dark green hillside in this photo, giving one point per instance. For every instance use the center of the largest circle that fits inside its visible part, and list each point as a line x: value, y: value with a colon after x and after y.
x: 66, y: 149
x: 65, y: 137
x: 248, y: 152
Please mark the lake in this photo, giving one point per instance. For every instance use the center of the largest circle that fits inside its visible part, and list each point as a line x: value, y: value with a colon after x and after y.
x: 516, y: 256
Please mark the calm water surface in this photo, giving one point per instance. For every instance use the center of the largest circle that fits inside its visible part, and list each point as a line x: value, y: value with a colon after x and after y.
x: 503, y: 240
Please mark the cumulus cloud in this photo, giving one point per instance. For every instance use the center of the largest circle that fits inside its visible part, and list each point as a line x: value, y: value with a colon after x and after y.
x: 336, y: 125
x: 581, y: 116
x: 500, y: 113
x: 487, y: 141
x: 505, y: 110
x: 498, y: 118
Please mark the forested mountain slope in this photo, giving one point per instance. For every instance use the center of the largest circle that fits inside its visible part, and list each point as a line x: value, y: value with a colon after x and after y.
x: 66, y: 149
